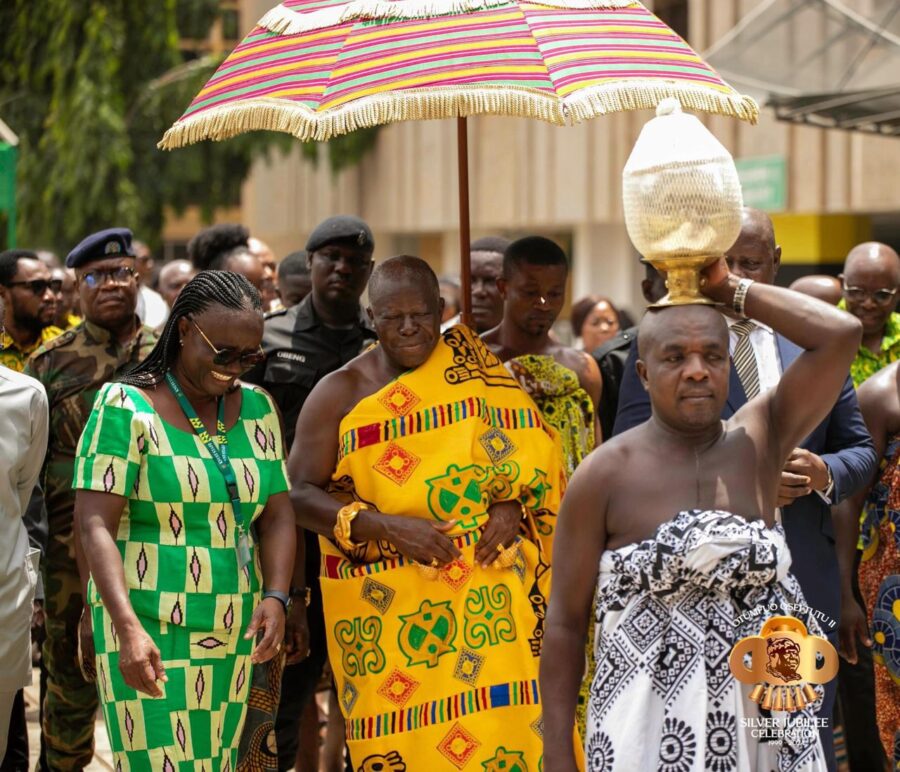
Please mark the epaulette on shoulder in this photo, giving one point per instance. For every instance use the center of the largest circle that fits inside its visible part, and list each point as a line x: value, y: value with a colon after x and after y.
x: 60, y: 340
x: 275, y: 314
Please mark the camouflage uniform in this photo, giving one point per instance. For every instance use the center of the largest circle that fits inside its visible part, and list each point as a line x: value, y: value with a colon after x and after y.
x: 72, y: 368
x: 13, y: 357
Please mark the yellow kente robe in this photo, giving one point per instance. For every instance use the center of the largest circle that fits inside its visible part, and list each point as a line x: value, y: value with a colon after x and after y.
x: 437, y: 670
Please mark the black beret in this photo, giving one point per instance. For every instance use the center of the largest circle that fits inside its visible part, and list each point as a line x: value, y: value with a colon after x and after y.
x: 341, y: 228
x: 112, y: 242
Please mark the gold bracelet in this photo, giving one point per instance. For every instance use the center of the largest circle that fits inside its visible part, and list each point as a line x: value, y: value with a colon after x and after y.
x: 344, y: 524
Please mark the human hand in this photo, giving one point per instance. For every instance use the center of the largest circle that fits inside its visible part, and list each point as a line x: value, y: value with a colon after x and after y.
x: 716, y: 282
x: 804, y: 462
x: 500, y: 531
x: 268, y: 617
x: 853, y: 624
x: 296, y: 634
x: 140, y: 663
x: 803, y: 473
x: 37, y: 617
x: 85, y: 654
x: 421, y: 540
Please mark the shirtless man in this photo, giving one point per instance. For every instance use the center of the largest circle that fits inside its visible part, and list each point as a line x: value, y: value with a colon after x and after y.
x: 533, y: 287
x: 435, y: 515
x: 684, y: 459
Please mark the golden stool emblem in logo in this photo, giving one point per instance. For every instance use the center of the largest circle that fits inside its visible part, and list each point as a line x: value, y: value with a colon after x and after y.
x: 784, y: 664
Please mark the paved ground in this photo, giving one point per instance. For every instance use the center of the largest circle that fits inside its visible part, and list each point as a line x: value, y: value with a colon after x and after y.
x: 102, y: 757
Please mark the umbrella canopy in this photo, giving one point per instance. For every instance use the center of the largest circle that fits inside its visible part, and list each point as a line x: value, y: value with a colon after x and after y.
x: 320, y: 68
x: 317, y: 69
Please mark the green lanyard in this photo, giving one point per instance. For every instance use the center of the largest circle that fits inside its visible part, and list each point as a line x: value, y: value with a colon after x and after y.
x: 219, y: 452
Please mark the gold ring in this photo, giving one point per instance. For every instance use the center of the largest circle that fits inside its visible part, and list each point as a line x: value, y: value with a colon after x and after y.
x: 428, y: 571
x: 499, y: 548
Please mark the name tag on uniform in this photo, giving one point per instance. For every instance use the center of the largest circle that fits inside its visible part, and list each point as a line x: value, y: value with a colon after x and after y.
x: 292, y: 356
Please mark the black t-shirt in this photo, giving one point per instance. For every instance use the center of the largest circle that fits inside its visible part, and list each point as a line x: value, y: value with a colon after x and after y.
x: 300, y: 351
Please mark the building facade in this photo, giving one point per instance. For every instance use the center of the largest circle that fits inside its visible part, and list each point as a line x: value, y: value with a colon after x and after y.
x: 827, y: 189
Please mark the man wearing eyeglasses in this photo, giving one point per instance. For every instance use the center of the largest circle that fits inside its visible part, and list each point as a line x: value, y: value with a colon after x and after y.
x: 72, y: 368
x: 30, y: 297
x: 303, y: 344
x: 870, y: 281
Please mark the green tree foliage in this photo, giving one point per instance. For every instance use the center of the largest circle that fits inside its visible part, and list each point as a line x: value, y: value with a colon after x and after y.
x: 90, y: 86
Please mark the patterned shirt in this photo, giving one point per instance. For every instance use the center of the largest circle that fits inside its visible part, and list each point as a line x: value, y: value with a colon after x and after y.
x: 867, y: 362
x: 72, y: 320
x: 14, y: 357
x: 72, y: 368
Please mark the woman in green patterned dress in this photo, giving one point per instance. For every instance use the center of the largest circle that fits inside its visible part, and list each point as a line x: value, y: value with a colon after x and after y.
x: 188, y: 533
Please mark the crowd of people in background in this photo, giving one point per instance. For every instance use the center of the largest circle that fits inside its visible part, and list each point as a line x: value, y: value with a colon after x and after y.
x: 339, y: 385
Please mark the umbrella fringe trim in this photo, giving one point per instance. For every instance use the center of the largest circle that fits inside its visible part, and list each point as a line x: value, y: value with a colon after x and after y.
x: 270, y: 115
x: 285, y: 21
x: 435, y: 104
x: 635, y: 95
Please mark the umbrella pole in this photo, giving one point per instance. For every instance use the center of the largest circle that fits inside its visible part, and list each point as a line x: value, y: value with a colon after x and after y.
x: 465, y: 267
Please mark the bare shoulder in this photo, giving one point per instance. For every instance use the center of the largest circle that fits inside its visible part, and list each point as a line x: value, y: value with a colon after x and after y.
x: 605, y: 463
x: 339, y: 391
x: 575, y: 360
x: 879, y: 396
x: 582, y: 364
x: 491, y: 339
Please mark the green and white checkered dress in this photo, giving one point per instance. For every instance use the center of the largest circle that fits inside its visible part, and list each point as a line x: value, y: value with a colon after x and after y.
x: 176, y: 537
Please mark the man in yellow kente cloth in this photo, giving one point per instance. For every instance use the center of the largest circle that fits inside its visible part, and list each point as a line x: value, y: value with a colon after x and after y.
x: 434, y: 484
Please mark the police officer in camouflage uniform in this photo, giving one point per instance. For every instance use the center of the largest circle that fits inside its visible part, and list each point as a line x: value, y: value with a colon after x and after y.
x: 72, y: 369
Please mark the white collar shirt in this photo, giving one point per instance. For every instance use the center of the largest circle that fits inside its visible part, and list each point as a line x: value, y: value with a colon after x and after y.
x: 23, y: 444
x: 765, y: 347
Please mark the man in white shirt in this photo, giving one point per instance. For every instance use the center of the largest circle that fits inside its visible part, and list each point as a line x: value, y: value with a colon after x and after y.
x: 152, y: 310
x: 23, y: 443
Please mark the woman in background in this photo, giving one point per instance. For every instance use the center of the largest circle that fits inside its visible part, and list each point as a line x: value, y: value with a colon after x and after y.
x: 594, y: 320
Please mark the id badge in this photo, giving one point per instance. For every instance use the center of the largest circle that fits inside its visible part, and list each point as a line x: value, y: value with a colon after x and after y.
x: 242, y: 547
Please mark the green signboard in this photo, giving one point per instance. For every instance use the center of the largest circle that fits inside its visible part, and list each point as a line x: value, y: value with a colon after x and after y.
x: 8, y: 156
x: 764, y: 182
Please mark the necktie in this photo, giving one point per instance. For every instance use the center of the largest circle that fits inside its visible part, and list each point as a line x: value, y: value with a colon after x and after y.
x: 744, y: 358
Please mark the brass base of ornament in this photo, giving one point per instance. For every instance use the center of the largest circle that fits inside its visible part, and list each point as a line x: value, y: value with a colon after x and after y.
x: 683, y: 279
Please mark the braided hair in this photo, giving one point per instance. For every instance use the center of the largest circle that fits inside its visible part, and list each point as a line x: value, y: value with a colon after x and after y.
x: 206, y: 289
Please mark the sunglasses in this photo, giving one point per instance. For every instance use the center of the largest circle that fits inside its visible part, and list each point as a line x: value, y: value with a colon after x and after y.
x: 228, y: 356
x: 39, y: 286
x: 880, y: 296
x: 121, y: 275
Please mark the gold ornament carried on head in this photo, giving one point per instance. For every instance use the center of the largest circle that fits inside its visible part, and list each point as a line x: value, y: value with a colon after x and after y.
x: 682, y: 200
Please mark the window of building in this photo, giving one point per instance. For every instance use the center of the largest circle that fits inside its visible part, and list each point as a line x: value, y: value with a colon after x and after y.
x: 231, y: 24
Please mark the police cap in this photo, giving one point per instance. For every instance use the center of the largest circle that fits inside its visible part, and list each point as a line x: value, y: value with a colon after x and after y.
x: 112, y: 242
x: 341, y: 228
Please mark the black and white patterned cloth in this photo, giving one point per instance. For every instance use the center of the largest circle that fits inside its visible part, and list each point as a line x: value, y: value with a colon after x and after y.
x: 669, y: 611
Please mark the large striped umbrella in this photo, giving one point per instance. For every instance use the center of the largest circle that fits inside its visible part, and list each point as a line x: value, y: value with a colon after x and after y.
x: 319, y: 68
